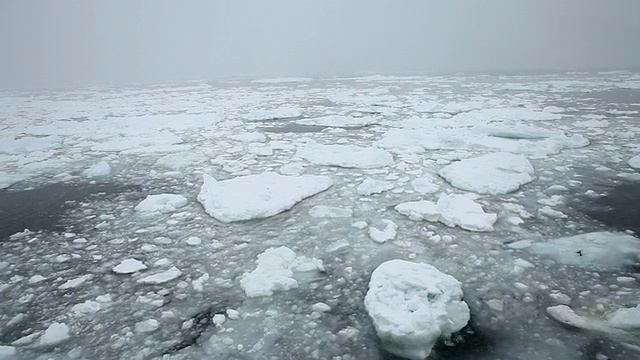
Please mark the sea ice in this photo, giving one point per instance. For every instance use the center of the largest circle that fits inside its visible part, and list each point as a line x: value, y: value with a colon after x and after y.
x: 100, y: 169
x: 257, y: 196
x: 370, y: 186
x: 424, y: 185
x: 87, y: 307
x: 634, y: 162
x: 282, y: 112
x: 7, y: 352
x: 495, y: 173
x: 339, y: 121
x: 625, y: 318
x: 348, y: 156
x: 451, y: 210
x: 274, y: 272
x: 323, y: 211
x: 74, y: 283
x: 600, y: 249
x: 147, y: 326
x: 161, y: 203
x: 161, y: 277
x: 129, y: 266
x: 412, y: 305
x: 55, y: 334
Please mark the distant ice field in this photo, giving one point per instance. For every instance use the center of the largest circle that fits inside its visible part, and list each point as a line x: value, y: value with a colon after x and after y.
x: 244, y: 220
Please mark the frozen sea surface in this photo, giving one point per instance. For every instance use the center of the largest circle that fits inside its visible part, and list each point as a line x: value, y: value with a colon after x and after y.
x: 83, y: 275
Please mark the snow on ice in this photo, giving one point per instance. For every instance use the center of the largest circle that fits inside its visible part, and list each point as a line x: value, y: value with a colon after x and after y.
x: 129, y: 266
x: 348, y: 156
x: 339, y: 121
x: 257, y: 196
x: 371, y: 186
x: 634, y: 162
x: 323, y: 211
x: 100, y: 169
x: 412, y: 305
x: 55, y: 334
x: 282, y: 112
x: 451, y: 210
x: 495, y: 173
x: 161, y: 277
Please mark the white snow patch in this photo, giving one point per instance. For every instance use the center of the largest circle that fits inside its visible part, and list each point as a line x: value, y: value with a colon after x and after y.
x: 257, y: 196
x: 282, y: 112
x: 601, y: 249
x: 496, y: 173
x: 348, y: 156
x: 161, y: 203
x: 424, y: 185
x: 451, y: 210
x: 412, y: 305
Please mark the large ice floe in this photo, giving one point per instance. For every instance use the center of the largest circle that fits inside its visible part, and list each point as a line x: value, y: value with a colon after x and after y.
x: 451, y: 210
x: 412, y: 305
x: 495, y: 173
x: 600, y: 249
x: 257, y: 196
x: 348, y: 156
x: 339, y: 121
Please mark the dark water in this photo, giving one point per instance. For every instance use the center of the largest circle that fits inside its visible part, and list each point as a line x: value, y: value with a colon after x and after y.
x: 619, y: 208
x: 294, y: 128
x: 41, y: 208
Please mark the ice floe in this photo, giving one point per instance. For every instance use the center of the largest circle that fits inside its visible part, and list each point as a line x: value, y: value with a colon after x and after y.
x: 495, y: 173
x: 371, y: 186
x: 129, y: 266
x: 412, y: 305
x: 451, y: 210
x: 55, y: 334
x: 100, y: 169
x: 424, y: 185
x: 634, y: 162
x: 282, y: 112
x: 348, y: 156
x: 323, y: 211
x: 339, y: 121
x: 388, y: 233
x: 161, y: 203
x: 625, y: 318
x: 161, y: 277
x: 597, y: 249
x: 257, y: 196
x: 275, y: 272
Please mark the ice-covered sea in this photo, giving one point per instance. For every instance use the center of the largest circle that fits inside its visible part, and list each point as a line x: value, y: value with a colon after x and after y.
x: 243, y: 220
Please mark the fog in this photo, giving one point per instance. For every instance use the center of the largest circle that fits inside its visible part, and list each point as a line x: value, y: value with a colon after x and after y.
x: 71, y: 43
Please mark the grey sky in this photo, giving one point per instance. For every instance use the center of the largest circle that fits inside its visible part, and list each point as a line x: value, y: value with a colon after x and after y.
x: 79, y: 42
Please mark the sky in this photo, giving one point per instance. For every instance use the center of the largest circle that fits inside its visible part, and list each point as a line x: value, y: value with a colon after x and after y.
x: 60, y: 43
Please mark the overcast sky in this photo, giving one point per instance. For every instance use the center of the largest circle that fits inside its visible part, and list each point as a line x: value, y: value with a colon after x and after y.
x: 84, y: 42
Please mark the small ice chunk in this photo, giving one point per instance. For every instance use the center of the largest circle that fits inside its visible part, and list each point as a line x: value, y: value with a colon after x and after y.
x: 257, y: 196
x: 218, y: 319
x: 519, y: 245
x: 634, y: 162
x: 496, y: 173
x: 147, y: 326
x: 233, y: 314
x: 322, y: 211
x: 360, y: 225
x: 100, y: 169
x: 273, y: 273
x: 36, y: 279
x: 412, y: 305
x: 162, y: 277
x: 162, y: 203
x: 74, y: 283
x: 451, y: 210
x: 194, y: 241
x: 129, y: 266
x: 55, y: 334
x: 626, y: 318
x: 370, y: 186
x: 603, y: 249
x: 320, y: 307
x: 388, y: 233
x: 87, y: 307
